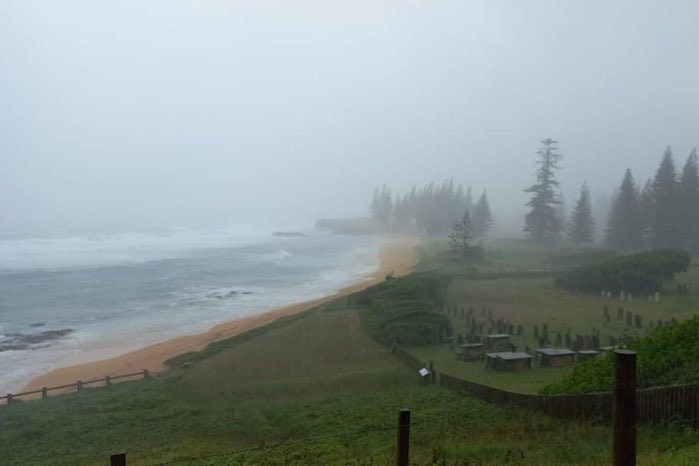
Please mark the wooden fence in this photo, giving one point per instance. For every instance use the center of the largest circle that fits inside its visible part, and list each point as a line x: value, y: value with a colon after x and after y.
x: 79, y: 386
x: 657, y: 404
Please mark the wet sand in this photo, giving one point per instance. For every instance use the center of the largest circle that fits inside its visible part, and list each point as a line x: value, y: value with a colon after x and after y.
x: 397, y: 255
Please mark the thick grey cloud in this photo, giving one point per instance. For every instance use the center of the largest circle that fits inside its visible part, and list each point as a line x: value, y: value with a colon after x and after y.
x: 140, y: 114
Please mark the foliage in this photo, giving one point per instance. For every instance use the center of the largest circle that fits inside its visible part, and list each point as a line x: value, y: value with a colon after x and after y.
x: 404, y: 311
x: 430, y: 210
x: 670, y: 355
x: 642, y: 272
x: 624, y: 228
x: 461, y: 235
x: 382, y: 206
x: 543, y: 223
x: 582, y: 227
x: 689, y: 204
x: 665, y: 219
x: 482, y: 218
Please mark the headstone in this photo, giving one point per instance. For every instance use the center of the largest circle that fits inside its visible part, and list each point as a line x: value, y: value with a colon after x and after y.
x: 559, y: 339
x: 619, y: 312
x: 567, y: 340
x: 656, y: 297
x: 520, y: 329
x: 621, y: 295
x: 536, y: 332
x: 629, y: 318
x: 637, y: 321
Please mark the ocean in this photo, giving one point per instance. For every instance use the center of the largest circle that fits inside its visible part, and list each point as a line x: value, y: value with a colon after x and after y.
x: 69, y: 300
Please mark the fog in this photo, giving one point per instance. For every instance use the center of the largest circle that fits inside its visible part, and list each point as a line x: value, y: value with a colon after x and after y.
x: 139, y: 115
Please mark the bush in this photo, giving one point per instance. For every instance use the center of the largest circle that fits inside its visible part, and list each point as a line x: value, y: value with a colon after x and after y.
x: 669, y: 355
x: 643, y: 273
x: 404, y: 311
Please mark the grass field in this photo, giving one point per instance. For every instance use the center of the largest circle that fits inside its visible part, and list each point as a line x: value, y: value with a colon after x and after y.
x: 510, y: 285
x: 316, y: 390
x: 313, y: 391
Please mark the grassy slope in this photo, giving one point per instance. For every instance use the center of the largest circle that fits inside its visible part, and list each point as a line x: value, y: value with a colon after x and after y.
x: 534, y: 301
x: 316, y: 376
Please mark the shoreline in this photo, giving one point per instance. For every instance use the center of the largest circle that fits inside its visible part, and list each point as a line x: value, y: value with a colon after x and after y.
x: 396, y: 255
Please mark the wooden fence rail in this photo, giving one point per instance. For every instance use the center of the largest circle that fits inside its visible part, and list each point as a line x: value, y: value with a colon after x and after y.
x: 79, y: 385
x: 657, y: 404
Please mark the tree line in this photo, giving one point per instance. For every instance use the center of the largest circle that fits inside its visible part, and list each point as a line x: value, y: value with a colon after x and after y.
x: 663, y: 214
x: 433, y: 209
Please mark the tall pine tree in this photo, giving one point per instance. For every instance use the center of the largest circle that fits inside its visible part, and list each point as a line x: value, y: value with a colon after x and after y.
x: 665, y: 220
x: 689, y: 204
x: 482, y: 218
x: 582, y: 225
x: 543, y: 224
x: 647, y: 210
x: 624, y: 229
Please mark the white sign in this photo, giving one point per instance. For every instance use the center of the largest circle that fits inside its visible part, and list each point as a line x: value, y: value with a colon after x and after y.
x: 423, y: 372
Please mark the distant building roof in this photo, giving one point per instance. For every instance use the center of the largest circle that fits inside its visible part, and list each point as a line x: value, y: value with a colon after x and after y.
x: 509, y: 355
x: 555, y: 351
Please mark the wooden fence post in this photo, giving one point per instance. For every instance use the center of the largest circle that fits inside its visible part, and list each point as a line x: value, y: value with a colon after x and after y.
x: 403, y: 456
x: 117, y: 459
x: 146, y: 373
x: 9, y: 398
x: 431, y: 367
x: 44, y: 392
x: 80, y: 385
x: 624, y: 408
x: 108, y: 380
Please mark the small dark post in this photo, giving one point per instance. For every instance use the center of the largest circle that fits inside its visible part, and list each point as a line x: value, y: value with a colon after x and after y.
x: 108, y: 380
x: 117, y: 459
x: 624, y: 408
x: 80, y: 385
x: 44, y: 392
x: 146, y: 373
x: 403, y: 457
x: 431, y: 368
x: 9, y: 398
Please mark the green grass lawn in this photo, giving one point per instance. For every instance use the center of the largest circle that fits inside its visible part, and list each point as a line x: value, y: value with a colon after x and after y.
x: 445, y: 361
x: 313, y: 391
x: 501, y: 288
x: 317, y: 390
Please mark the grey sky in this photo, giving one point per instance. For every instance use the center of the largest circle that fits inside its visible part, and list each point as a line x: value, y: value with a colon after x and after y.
x: 136, y: 114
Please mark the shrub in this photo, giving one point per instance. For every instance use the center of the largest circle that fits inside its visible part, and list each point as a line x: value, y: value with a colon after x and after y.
x: 405, y: 311
x: 669, y: 355
x: 643, y: 272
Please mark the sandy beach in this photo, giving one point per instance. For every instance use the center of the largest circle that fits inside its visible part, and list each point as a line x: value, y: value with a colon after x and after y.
x: 397, y: 255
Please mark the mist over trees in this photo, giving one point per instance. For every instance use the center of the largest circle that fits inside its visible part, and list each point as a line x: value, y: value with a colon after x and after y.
x: 543, y: 223
x: 431, y: 210
x: 582, y: 225
x: 624, y: 229
x: 482, y: 218
x: 664, y: 214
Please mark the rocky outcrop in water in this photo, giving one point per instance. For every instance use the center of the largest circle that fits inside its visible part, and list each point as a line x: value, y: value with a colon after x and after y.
x: 25, y: 341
